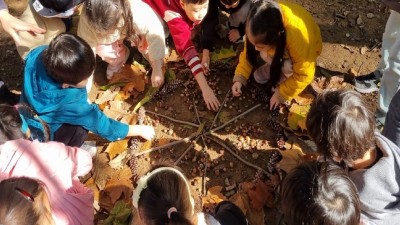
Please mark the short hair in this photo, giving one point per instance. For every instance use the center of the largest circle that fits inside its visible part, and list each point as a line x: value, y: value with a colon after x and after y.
x: 341, y: 125
x: 319, y: 193
x: 24, y: 201
x: 57, y: 5
x: 10, y: 123
x: 69, y: 59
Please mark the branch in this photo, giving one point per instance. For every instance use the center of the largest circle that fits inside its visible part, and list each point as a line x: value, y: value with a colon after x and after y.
x: 220, y: 108
x: 186, y: 151
x: 233, y: 119
x: 172, y: 119
x: 238, y: 157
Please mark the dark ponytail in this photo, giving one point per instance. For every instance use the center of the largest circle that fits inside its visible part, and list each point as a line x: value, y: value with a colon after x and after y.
x: 265, y: 24
x: 178, y: 219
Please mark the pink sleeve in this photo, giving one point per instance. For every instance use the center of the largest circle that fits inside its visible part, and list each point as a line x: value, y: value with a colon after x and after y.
x: 81, y: 161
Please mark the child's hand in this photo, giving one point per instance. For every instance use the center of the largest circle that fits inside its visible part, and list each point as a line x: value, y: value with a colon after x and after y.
x: 274, y: 102
x: 157, y: 79
x: 237, y: 89
x: 233, y: 35
x: 210, y: 99
x: 146, y: 132
x: 205, y: 61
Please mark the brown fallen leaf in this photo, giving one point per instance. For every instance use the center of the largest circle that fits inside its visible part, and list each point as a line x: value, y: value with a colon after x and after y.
x: 213, y: 197
x: 173, y: 57
x: 238, y: 200
x: 304, y: 99
x: 290, y: 159
x: 260, y: 195
x: 132, y: 75
x: 119, y: 161
x: 119, y: 187
x: 108, y: 95
x: 116, y: 147
x: 102, y: 171
x: 255, y: 217
x: 123, y: 95
x: 296, y: 114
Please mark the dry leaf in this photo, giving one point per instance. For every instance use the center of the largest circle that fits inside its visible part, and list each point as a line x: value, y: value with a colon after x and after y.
x: 130, y: 74
x: 145, y: 146
x: 290, y: 159
x: 108, y: 95
x: 102, y: 171
x: 224, y: 116
x: 335, y: 82
x: 116, y: 147
x: 163, y: 141
x: 260, y: 195
x: 223, y: 53
x: 119, y: 161
x: 238, y: 200
x: 117, y: 105
x: 255, y: 217
x: 119, y: 187
x: 304, y: 99
x: 92, y: 186
x: 302, y: 124
x: 173, y: 57
x: 213, y: 197
x: 297, y: 113
x: 123, y: 95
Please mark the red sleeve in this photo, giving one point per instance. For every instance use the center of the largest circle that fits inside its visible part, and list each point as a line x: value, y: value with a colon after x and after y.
x: 181, y: 33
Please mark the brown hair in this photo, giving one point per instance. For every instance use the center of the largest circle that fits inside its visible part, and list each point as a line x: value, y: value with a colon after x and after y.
x: 195, y: 2
x: 341, y: 125
x: 319, y: 193
x: 165, y: 189
x: 69, y: 59
x: 105, y: 15
x: 24, y: 201
x: 229, y: 2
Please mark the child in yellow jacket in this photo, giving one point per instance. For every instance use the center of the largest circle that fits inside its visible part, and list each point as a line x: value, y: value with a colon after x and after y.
x: 288, y: 34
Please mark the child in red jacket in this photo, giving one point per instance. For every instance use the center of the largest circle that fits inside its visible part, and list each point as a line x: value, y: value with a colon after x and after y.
x: 181, y: 16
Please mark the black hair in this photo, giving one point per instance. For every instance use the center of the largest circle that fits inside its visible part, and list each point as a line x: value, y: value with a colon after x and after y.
x: 229, y: 2
x: 11, y: 122
x: 69, y: 59
x: 319, y: 193
x: 195, y: 2
x: 164, y: 190
x: 265, y: 24
x: 57, y: 5
x: 341, y: 125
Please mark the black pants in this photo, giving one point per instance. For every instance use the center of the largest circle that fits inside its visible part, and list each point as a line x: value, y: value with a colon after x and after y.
x: 71, y: 135
x: 228, y: 213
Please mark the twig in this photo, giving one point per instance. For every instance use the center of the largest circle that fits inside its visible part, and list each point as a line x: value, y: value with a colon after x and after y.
x: 172, y: 119
x: 233, y: 119
x: 186, y: 151
x: 238, y: 157
x: 220, y: 108
x: 186, y: 140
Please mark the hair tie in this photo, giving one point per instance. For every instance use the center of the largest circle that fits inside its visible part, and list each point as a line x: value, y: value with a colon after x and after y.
x: 170, y: 211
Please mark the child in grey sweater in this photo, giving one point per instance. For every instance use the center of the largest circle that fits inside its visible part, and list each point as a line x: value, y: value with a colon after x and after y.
x: 344, y: 131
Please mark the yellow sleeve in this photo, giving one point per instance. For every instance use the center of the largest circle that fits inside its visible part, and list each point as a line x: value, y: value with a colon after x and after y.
x: 304, y: 43
x: 244, y: 68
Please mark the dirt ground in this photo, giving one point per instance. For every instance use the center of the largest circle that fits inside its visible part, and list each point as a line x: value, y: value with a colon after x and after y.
x: 351, y: 32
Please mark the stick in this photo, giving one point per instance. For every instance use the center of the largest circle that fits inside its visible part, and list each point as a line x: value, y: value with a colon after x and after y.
x: 238, y: 157
x: 186, y: 151
x: 172, y: 119
x: 233, y: 119
x: 186, y: 140
x: 220, y: 108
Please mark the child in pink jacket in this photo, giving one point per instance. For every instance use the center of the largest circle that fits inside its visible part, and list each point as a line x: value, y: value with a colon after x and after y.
x: 54, y: 165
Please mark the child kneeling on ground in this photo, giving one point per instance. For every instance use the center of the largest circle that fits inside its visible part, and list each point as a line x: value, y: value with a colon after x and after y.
x: 54, y: 86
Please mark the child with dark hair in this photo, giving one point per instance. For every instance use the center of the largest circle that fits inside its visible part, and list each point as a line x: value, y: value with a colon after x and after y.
x: 163, y: 196
x: 54, y: 81
x: 319, y: 193
x: 181, y: 16
x: 285, y: 33
x: 343, y: 129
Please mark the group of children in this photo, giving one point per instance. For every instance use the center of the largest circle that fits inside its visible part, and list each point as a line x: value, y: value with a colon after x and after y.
x: 357, y: 183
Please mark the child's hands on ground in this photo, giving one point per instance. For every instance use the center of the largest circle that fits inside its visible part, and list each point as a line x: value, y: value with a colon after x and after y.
x: 233, y: 35
x: 237, y: 89
x: 274, y: 102
x: 210, y: 98
x: 205, y: 61
x: 157, y: 76
x: 144, y: 131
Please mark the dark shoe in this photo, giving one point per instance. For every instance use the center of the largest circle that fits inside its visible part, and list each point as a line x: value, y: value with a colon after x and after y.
x: 6, y: 96
x: 367, y: 83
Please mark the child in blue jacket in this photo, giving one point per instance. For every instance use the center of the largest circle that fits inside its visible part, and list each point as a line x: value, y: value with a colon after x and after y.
x: 54, y: 86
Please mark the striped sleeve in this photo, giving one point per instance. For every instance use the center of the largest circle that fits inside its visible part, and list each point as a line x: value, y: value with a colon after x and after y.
x: 195, y: 65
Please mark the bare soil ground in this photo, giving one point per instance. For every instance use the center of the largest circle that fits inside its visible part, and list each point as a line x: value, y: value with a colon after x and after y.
x: 351, y: 32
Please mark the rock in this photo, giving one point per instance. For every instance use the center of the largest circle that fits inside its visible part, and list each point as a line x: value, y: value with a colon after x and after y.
x: 359, y: 20
x: 347, y: 35
x: 353, y: 72
x: 363, y: 50
x: 227, y: 183
x: 255, y: 156
x: 345, y: 13
x: 370, y: 15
